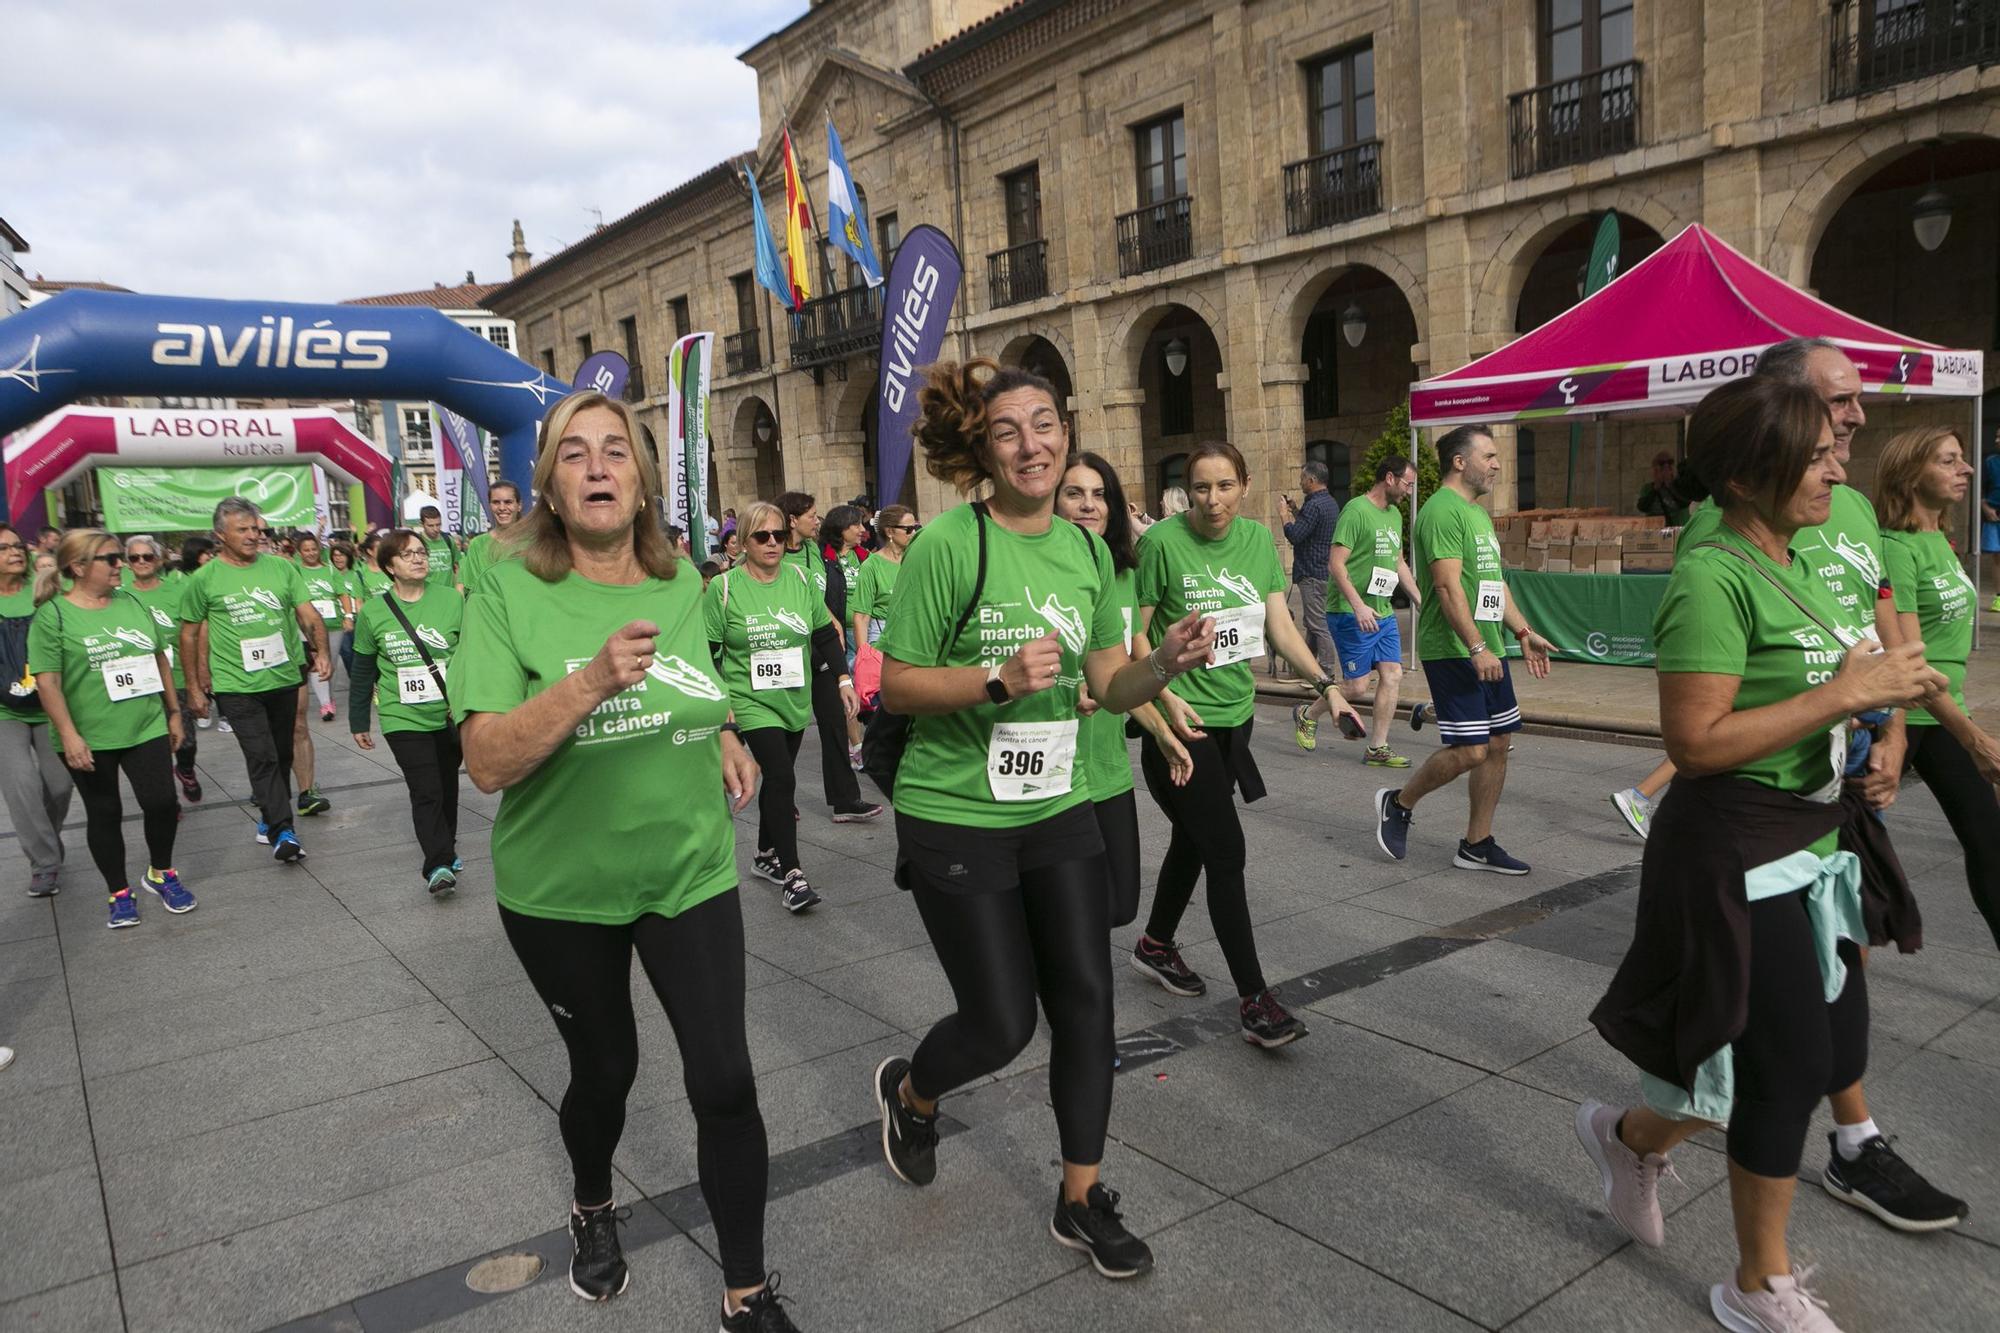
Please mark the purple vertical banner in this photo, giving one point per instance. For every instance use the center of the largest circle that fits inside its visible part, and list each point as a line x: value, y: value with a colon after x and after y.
x: 606, y: 372
x: 916, y: 306
x: 459, y: 435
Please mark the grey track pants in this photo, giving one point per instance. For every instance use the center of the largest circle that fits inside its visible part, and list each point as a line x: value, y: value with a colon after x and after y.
x: 36, y: 784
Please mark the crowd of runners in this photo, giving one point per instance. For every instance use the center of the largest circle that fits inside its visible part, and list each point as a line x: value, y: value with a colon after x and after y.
x: 985, y: 671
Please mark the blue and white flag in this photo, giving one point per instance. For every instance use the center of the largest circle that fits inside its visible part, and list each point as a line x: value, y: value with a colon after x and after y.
x: 845, y: 223
x: 770, y: 268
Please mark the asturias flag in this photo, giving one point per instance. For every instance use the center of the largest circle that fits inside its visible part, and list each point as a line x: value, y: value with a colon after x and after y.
x: 798, y: 221
x: 770, y: 265
x: 843, y: 214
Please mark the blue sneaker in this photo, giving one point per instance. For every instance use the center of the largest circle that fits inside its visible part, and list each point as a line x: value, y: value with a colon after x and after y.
x: 263, y: 834
x: 1392, y: 828
x: 287, y: 848
x: 1487, y: 854
x: 167, y: 887
x: 124, y: 911
x: 457, y: 866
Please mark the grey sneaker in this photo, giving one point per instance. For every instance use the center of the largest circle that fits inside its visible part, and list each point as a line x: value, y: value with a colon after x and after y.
x: 1638, y: 811
x: 45, y: 883
x: 1787, y: 1307
x: 1631, y: 1182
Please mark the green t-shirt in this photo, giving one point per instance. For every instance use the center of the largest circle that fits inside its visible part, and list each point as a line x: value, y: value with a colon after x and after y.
x: 954, y: 768
x: 253, y: 628
x: 628, y: 815
x: 872, y: 593
x: 1374, y: 541
x: 808, y: 558
x: 1845, y: 551
x: 1227, y: 578
x: 1451, y: 527
x: 1106, y: 762
x: 324, y: 584
x: 764, y: 634
x: 444, y: 560
x: 20, y: 606
x: 350, y: 583
x: 405, y: 695
x: 163, y: 599
x: 850, y: 569
x: 98, y: 655
x: 480, y: 554
x: 1720, y: 616
x: 1929, y: 580
x: 373, y: 580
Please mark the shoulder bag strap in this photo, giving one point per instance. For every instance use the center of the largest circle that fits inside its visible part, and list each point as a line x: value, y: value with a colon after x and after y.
x: 1769, y: 578
x: 978, y: 580
x: 389, y: 596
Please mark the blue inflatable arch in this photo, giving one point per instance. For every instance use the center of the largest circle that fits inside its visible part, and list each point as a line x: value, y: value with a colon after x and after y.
x: 85, y: 344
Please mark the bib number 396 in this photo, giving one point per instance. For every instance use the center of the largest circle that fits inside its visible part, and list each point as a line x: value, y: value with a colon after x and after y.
x: 1030, y: 761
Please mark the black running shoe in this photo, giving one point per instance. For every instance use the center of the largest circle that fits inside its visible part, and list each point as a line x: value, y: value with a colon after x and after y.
x: 1093, y: 1226
x: 799, y: 896
x: 1162, y: 962
x: 765, y: 866
x: 761, y: 1313
x: 190, y: 785
x: 909, y: 1140
x: 1351, y: 727
x: 857, y: 813
x: 1881, y: 1182
x: 312, y: 803
x: 597, y: 1270
x: 1267, y: 1023
x: 1418, y: 712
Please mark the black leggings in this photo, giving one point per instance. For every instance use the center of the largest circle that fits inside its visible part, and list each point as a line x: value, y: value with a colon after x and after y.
x: 1118, y: 821
x: 1971, y: 809
x: 263, y: 725
x: 1795, y: 1047
x: 1046, y: 936
x: 582, y: 971
x: 1207, y: 836
x: 184, y: 757
x: 149, y: 767
x: 830, y: 716
x: 429, y: 760
x: 776, y: 752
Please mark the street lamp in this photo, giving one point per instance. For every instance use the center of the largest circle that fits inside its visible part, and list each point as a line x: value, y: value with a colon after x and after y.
x: 1177, y: 357
x: 1930, y: 215
x: 1353, y: 324
x: 764, y: 428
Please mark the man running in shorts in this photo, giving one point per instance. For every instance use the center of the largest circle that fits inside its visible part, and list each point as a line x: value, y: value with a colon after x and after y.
x: 1464, y: 607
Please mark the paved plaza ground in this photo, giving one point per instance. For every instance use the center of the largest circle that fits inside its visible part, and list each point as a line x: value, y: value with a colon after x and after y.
x: 320, y: 1098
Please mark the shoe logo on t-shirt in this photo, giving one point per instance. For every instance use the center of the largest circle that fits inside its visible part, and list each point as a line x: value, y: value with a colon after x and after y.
x: 1858, y: 557
x: 684, y: 676
x: 138, y: 638
x: 265, y: 597
x: 434, y: 638
x: 1065, y: 620
x: 1237, y: 584
x: 793, y: 621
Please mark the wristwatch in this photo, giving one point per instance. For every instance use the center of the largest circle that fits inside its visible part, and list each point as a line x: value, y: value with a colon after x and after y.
x: 733, y: 729
x: 996, y: 689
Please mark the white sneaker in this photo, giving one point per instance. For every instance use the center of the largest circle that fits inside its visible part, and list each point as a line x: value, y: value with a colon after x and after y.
x: 6, y: 1056
x: 1638, y: 811
x: 204, y: 723
x: 1786, y: 1308
x: 222, y: 725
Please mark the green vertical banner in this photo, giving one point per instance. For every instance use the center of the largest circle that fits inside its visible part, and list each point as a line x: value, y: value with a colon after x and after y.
x: 183, y: 499
x: 687, y: 437
x: 1597, y: 274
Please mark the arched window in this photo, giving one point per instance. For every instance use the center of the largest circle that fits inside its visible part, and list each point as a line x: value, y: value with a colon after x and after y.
x: 1339, y: 466
x: 1173, y: 472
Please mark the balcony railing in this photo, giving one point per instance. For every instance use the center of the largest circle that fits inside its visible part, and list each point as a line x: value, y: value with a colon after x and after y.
x: 1339, y: 186
x: 743, y: 352
x: 1155, y: 236
x: 1574, y: 120
x: 1871, y: 45
x: 837, y: 326
x: 1018, y: 273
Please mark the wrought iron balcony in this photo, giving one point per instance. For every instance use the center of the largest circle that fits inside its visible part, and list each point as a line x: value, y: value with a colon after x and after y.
x: 1871, y: 45
x: 743, y: 352
x: 1018, y: 273
x: 1155, y: 236
x: 1574, y: 120
x: 837, y: 326
x: 1339, y: 186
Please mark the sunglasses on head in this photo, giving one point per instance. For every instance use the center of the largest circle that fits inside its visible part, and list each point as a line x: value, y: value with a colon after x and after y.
x: 767, y: 535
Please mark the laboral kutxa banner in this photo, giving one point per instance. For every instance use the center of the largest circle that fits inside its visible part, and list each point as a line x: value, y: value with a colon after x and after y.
x: 686, y: 450
x: 183, y: 499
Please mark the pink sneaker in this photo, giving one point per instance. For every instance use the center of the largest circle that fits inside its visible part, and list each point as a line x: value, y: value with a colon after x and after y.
x: 1631, y: 1182
x: 1786, y: 1307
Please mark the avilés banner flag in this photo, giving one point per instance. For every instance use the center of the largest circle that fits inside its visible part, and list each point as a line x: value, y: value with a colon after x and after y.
x: 605, y: 372
x: 686, y: 446
x: 461, y: 462
x: 916, y: 306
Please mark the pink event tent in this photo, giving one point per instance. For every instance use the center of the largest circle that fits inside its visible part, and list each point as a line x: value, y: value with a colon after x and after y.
x: 1655, y: 340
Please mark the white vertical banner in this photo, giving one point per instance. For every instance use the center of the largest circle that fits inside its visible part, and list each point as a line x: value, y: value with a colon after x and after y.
x: 322, y: 502
x: 686, y: 446
x: 450, y: 471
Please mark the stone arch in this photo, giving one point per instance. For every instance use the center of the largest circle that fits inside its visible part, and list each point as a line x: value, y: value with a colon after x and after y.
x: 1127, y: 343
x: 1020, y: 335
x: 1507, y: 272
x: 1805, y: 220
x: 1308, y: 280
x: 845, y: 406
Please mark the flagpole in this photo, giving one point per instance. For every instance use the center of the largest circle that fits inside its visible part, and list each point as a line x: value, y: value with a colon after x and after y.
x: 777, y: 415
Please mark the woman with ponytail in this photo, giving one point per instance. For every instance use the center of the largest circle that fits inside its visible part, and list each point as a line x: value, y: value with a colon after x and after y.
x: 1001, y: 613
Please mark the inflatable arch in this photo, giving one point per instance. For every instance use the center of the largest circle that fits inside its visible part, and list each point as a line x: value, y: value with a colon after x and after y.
x: 89, y: 344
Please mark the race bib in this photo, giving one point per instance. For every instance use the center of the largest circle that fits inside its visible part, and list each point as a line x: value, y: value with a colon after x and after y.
x: 132, y: 677
x: 778, y: 669
x: 1239, y: 634
x: 1491, y: 603
x: 1381, y: 581
x: 416, y: 685
x: 1030, y: 761
x: 265, y: 653
x: 327, y: 607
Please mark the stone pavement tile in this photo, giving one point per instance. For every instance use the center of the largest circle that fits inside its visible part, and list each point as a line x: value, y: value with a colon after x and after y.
x: 1587, y: 1068
x: 1950, y: 919
x: 545, y: 1066
x: 1483, y: 1201
x: 277, y: 1074
x: 247, y: 1175
x: 89, y: 1306
x: 403, y: 924
x: 1232, y: 1116
x: 865, y: 1251
x: 334, y: 1254
x: 1974, y: 1037
x: 115, y: 1040
x: 674, y: 1285
x: 22, y: 917
x: 28, y: 1008
x: 233, y: 919
x: 1440, y: 893
x: 1869, y: 1277
x: 52, y: 1232
x: 508, y: 1016
x: 31, y: 959
x: 224, y: 953
x: 1941, y: 1113
x: 1916, y: 997
x: 871, y: 845
x: 833, y: 934
x: 907, y: 990
x: 1305, y: 942
x: 43, y: 1131
x: 473, y: 961
x: 1597, y: 932
x: 1492, y: 1005
x: 43, y: 1060
x: 794, y: 1021
x: 1210, y: 1272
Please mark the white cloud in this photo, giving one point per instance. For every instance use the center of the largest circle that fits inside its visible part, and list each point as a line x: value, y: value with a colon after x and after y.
x: 299, y: 152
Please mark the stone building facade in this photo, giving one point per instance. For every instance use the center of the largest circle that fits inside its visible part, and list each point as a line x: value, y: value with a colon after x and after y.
x: 1261, y: 219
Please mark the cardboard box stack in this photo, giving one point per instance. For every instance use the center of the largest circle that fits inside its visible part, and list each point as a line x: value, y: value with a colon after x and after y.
x: 1583, y: 541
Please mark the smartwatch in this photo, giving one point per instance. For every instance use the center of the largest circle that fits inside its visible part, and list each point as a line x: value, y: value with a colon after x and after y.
x: 996, y: 689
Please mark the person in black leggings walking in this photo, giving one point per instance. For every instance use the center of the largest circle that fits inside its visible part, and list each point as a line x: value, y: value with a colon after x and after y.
x: 830, y: 716
x: 584, y: 691
x: 1002, y: 610
x: 101, y: 670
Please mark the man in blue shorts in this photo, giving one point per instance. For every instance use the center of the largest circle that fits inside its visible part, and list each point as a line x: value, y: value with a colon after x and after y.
x: 1365, y: 568
x: 1464, y: 606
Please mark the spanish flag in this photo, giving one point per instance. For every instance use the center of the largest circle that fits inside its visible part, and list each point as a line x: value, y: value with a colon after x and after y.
x: 798, y: 221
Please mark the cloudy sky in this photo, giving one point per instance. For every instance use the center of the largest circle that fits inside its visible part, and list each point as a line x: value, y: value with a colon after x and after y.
x: 317, y: 152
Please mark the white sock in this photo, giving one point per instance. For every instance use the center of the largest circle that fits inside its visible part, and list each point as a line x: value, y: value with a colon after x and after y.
x: 1851, y: 1137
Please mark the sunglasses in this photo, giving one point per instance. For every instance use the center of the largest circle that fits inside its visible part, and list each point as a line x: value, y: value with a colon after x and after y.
x: 907, y: 527
x: 111, y: 558
x: 767, y: 535
x: 135, y: 559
